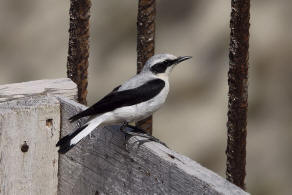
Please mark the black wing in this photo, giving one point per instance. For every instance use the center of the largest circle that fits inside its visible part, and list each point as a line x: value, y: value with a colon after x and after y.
x: 117, y: 99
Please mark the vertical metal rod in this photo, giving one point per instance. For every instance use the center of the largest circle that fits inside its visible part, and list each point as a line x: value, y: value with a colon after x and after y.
x: 238, y: 93
x: 78, y: 51
x: 145, y: 43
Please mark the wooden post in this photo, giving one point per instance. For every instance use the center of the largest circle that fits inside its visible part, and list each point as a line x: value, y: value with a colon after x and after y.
x: 29, y: 129
x: 237, y: 81
x: 78, y: 52
x: 145, y: 43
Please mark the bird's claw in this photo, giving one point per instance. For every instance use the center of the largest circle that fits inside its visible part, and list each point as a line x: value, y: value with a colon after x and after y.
x: 140, y: 142
x: 139, y: 132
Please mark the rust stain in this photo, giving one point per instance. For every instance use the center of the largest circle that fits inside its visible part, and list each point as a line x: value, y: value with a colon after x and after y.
x: 49, y: 123
x: 54, y: 162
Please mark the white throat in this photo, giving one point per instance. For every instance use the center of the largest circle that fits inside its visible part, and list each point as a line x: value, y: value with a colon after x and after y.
x: 163, y: 76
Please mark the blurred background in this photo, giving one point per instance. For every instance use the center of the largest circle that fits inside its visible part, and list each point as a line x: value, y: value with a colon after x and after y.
x: 34, y: 43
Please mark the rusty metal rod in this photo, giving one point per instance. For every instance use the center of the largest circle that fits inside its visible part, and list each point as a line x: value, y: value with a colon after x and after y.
x: 145, y: 43
x: 78, y: 51
x: 238, y: 93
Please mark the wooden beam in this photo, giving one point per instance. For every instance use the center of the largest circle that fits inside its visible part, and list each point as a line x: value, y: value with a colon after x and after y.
x: 104, y: 163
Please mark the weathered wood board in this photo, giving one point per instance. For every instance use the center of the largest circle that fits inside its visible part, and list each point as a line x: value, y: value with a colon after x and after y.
x: 52, y: 87
x: 103, y: 164
x: 29, y: 130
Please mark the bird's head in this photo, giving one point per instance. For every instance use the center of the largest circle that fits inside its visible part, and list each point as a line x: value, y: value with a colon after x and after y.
x: 162, y: 64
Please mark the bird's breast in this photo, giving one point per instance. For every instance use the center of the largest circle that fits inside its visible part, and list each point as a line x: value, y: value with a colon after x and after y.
x: 145, y: 109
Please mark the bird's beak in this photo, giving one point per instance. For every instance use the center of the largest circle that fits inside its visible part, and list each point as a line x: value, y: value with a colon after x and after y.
x: 181, y: 59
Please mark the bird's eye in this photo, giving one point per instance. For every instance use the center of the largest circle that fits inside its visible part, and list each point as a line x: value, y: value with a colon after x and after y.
x: 161, y: 66
x: 158, y: 68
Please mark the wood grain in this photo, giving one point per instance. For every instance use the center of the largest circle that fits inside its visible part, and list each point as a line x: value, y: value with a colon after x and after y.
x: 105, y: 164
x: 63, y: 86
x: 29, y: 130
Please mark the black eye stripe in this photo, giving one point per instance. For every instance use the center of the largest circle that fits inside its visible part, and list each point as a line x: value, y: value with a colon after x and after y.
x: 161, y: 67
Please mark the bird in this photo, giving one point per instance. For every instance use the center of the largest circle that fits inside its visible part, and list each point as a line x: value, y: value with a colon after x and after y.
x: 134, y: 100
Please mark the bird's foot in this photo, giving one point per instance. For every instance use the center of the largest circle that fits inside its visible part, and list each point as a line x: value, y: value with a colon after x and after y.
x: 140, y: 132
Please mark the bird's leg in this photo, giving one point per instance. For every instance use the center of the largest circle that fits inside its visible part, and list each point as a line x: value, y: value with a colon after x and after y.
x: 122, y: 129
x: 135, y: 130
x: 123, y: 126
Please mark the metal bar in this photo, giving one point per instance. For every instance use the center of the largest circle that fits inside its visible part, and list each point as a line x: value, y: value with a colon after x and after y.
x: 78, y: 52
x: 238, y: 93
x: 145, y: 43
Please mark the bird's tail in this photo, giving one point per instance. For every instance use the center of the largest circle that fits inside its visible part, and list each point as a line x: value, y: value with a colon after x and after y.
x: 70, y: 140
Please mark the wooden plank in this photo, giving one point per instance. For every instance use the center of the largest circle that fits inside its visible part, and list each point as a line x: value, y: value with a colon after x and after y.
x: 29, y: 130
x: 103, y: 164
x: 63, y: 86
